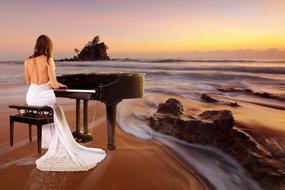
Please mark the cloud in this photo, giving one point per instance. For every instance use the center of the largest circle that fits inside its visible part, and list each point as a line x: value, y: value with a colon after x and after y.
x: 271, y: 53
x: 267, y: 54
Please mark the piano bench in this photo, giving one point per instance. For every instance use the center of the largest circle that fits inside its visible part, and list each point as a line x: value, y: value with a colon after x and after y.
x: 32, y: 115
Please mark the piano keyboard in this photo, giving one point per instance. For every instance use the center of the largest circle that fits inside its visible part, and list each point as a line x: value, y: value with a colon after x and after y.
x: 76, y: 90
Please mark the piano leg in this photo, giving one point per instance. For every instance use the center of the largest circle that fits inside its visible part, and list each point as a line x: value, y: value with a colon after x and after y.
x: 76, y: 133
x: 78, y: 115
x: 111, y: 124
x: 85, y: 117
x: 85, y: 137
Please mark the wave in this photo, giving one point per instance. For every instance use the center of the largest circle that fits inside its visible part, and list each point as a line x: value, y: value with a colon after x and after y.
x: 212, y: 76
x: 216, y: 169
x: 146, y: 66
x: 193, y: 73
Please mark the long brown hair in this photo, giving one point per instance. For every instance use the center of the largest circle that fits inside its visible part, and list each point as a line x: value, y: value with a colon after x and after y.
x: 43, y: 47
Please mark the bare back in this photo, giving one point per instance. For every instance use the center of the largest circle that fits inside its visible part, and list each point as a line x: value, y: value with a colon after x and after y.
x: 37, y: 70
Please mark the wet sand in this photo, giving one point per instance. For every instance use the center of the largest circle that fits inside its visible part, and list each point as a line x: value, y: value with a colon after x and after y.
x: 136, y: 164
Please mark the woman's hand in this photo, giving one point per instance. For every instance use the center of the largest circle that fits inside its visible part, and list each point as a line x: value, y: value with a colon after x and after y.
x: 62, y: 85
x: 58, y: 85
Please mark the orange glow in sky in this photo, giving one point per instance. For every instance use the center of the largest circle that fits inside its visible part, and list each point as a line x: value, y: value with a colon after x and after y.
x: 130, y: 26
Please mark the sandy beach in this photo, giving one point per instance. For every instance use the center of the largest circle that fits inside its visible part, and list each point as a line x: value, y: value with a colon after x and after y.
x: 136, y: 164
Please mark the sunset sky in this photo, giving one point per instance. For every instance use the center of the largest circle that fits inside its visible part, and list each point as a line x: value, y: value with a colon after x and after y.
x: 145, y: 28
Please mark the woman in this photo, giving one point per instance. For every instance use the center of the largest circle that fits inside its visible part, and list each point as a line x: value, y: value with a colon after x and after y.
x: 64, y: 153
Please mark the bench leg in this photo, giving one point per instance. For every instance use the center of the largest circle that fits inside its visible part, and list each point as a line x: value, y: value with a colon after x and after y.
x: 30, y: 132
x: 39, y: 135
x: 11, y: 132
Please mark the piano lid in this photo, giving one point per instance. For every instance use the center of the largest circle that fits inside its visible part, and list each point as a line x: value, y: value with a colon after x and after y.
x: 110, y: 87
x: 104, y: 74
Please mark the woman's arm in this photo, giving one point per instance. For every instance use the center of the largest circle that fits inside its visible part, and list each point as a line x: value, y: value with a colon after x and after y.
x: 52, y: 75
x: 27, y: 78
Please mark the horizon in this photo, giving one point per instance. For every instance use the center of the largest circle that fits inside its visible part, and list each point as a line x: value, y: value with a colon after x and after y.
x: 176, y: 30
x: 168, y: 59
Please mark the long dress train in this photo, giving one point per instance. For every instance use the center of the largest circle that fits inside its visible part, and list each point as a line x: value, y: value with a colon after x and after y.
x: 64, y: 153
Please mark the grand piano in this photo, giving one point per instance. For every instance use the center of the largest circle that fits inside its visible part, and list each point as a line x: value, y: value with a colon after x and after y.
x: 109, y: 88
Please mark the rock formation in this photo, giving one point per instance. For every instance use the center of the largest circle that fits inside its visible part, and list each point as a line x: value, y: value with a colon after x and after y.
x: 209, y: 99
x: 217, y: 128
x: 251, y: 92
x: 93, y: 51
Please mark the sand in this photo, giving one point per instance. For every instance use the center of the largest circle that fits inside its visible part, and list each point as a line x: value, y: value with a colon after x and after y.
x: 136, y: 164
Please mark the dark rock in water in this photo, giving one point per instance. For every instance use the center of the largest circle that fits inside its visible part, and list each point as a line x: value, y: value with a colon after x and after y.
x: 265, y: 95
x: 188, y: 132
x: 234, y: 90
x: 233, y: 104
x: 251, y: 92
x: 247, y: 90
x: 266, y: 172
x: 178, y: 129
x: 204, y: 133
x: 240, y: 136
x: 223, y: 119
x: 93, y: 51
x: 208, y: 98
x: 217, y: 128
x: 171, y: 106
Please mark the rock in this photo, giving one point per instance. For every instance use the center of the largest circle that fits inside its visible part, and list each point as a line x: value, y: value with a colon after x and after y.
x: 247, y: 90
x: 251, y: 92
x: 178, y: 130
x: 188, y: 132
x: 167, y: 125
x: 171, y: 106
x: 92, y: 51
x: 208, y: 98
x: 204, y: 133
x: 233, y: 104
x: 229, y: 89
x: 223, y: 119
x: 265, y: 95
x: 216, y: 128
x: 239, y: 135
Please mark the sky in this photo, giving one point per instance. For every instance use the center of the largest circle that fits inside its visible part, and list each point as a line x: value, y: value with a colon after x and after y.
x: 146, y: 29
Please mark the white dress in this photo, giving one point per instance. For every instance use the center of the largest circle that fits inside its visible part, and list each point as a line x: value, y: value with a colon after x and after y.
x: 64, y: 153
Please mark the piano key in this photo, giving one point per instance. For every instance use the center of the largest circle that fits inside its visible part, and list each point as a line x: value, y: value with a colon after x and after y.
x: 76, y: 90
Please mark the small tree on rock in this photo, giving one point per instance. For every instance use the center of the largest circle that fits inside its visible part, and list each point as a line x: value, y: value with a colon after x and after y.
x: 95, y: 40
x: 76, y: 51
